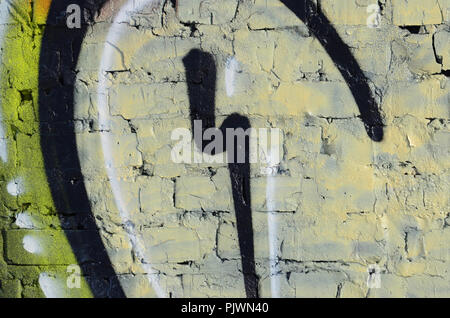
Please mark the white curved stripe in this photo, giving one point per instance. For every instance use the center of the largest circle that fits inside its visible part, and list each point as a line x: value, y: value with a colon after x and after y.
x: 230, y: 73
x: 4, y: 17
x: 113, y: 37
x: 272, y: 220
x: 273, y: 234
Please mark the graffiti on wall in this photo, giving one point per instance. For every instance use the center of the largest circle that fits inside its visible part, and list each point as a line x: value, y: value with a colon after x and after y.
x: 100, y: 208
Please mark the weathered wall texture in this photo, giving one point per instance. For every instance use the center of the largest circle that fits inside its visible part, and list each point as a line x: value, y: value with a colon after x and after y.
x: 341, y: 211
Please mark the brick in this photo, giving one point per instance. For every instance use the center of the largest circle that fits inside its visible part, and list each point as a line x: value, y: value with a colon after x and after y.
x: 350, y: 290
x: 2, y: 260
x: 341, y: 201
x: 422, y: 58
x: 392, y: 286
x: 156, y: 194
x: 434, y: 244
x: 213, y: 12
x: 143, y: 100
x: 201, y: 285
x: 426, y: 99
x: 172, y: 245
x: 10, y: 289
x: 307, y: 245
x: 316, y: 98
x: 271, y: 15
x: 227, y: 242
x: 155, y: 134
x: 346, y: 12
x: 285, y: 196
x: 137, y: 286
x: 413, y: 12
x: 432, y: 287
x: 30, y: 247
x: 442, y: 45
x: 202, y: 193
x: 315, y: 284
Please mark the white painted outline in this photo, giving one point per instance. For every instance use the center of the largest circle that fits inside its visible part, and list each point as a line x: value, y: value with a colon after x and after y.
x: 231, y: 68
x: 113, y: 37
x: 273, y: 230
x: 4, y: 17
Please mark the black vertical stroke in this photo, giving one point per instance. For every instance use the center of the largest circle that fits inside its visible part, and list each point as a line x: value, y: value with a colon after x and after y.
x: 321, y: 28
x: 57, y: 74
x: 201, y: 80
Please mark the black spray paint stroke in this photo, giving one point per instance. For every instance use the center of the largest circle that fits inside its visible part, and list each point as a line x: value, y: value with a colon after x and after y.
x: 60, y: 50
x: 319, y: 25
x: 201, y: 80
x: 57, y: 64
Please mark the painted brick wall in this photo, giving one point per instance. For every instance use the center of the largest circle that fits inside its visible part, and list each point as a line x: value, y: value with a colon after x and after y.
x: 342, y: 210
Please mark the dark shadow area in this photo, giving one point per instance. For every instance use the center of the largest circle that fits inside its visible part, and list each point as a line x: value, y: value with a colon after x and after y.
x: 57, y: 74
x: 321, y: 28
x: 201, y: 75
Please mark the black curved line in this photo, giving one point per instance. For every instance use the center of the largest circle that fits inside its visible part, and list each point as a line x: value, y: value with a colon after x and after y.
x: 321, y: 28
x: 57, y: 64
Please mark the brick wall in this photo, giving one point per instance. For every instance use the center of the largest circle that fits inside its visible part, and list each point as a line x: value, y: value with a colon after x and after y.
x: 341, y: 211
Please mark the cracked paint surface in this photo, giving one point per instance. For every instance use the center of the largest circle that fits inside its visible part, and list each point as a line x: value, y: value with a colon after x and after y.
x: 340, y: 203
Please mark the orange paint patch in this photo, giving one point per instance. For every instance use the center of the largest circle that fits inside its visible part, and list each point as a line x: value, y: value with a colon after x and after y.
x: 40, y: 10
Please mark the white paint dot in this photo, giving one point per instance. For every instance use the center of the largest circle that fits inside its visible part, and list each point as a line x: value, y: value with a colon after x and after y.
x: 24, y: 221
x: 50, y: 286
x: 3, y: 146
x: 15, y: 187
x: 32, y: 244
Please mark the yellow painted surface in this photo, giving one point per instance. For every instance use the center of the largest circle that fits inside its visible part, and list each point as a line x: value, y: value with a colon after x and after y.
x: 342, y: 202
